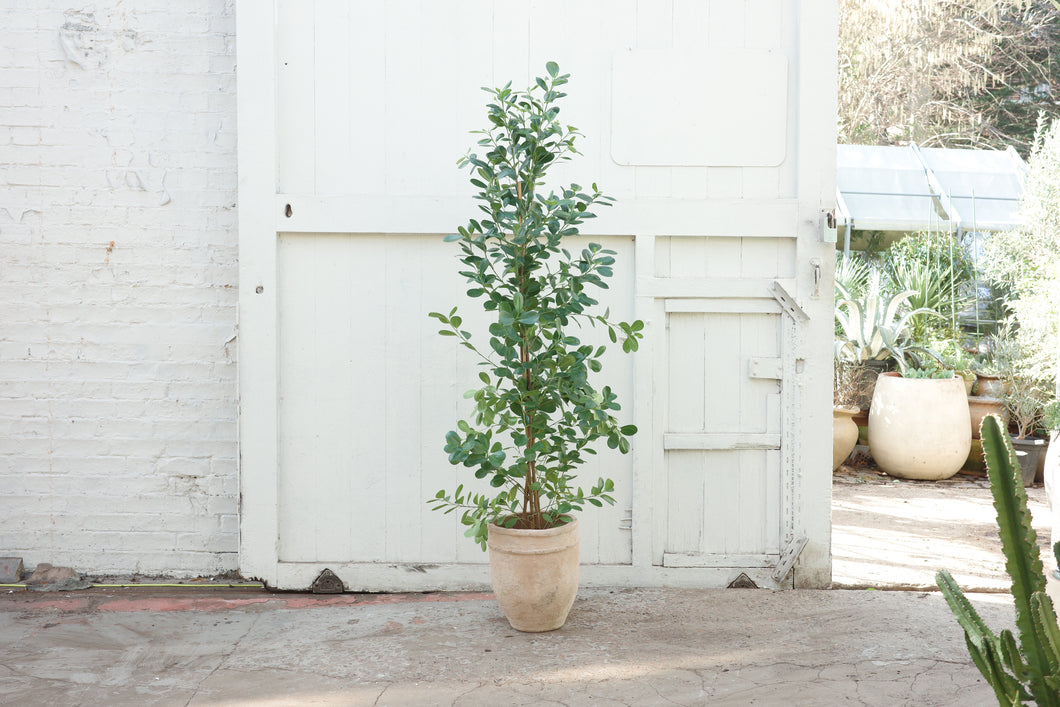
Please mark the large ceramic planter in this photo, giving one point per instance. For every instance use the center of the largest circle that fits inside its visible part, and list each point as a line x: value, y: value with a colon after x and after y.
x: 1052, y: 484
x: 1027, y: 452
x: 534, y: 574
x: 844, y: 433
x: 979, y: 407
x: 919, y: 428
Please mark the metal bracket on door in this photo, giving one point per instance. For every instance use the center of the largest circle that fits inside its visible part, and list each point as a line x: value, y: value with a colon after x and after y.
x: 788, y: 557
x: 788, y: 303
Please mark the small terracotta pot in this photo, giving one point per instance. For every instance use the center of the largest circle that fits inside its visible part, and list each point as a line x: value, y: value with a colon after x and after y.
x: 988, y: 386
x: 979, y: 407
x: 535, y: 574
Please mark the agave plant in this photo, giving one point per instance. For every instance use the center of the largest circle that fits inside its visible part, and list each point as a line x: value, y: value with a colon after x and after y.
x: 938, y: 286
x: 873, y: 327
x: 852, y: 273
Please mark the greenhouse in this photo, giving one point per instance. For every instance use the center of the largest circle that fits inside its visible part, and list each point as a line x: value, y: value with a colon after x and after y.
x: 884, y: 192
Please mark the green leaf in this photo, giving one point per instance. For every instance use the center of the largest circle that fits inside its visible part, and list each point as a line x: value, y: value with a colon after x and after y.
x: 552, y: 68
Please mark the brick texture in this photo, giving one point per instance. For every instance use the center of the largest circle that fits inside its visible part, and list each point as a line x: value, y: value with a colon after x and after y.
x: 118, y: 274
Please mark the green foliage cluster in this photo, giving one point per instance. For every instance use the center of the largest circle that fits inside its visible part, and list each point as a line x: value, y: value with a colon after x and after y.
x: 1029, y: 669
x: 1051, y: 416
x: 1024, y: 263
x: 1024, y: 393
x: 928, y: 373
x: 537, y: 413
x: 937, y: 268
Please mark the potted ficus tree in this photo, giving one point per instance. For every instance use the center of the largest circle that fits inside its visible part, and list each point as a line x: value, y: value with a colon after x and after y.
x: 537, y: 413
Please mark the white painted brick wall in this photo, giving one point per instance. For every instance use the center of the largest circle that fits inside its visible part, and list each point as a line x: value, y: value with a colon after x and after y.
x: 118, y: 283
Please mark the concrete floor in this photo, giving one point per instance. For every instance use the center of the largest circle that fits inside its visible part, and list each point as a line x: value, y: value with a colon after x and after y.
x: 624, y: 647
x: 897, y: 534
x: 631, y: 647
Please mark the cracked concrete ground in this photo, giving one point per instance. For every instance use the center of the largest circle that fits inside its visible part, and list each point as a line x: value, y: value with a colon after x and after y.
x: 896, y: 534
x: 622, y: 647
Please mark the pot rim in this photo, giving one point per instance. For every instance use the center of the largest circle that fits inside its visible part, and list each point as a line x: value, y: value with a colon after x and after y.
x: 1030, y: 441
x: 898, y: 376
x: 541, y: 533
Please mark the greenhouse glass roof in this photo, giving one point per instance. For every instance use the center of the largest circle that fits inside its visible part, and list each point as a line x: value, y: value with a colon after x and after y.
x: 919, y: 188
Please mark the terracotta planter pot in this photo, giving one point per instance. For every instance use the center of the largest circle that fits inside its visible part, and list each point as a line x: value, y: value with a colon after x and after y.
x: 534, y: 574
x: 979, y: 407
x: 988, y: 386
x: 919, y: 428
x: 844, y: 433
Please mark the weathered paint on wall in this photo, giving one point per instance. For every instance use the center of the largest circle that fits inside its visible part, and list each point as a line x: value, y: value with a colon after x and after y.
x: 118, y: 270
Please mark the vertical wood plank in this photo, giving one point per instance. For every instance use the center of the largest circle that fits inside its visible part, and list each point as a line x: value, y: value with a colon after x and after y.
x: 511, y: 43
x: 256, y: 63
x: 365, y: 166
x: 685, y: 502
x: 686, y: 387
x: 442, y: 402
x: 725, y: 182
x: 609, y: 543
x: 761, y: 182
x: 653, y: 182
x: 723, y: 257
x: 690, y: 22
x: 419, y: 70
x: 644, y: 403
x: 689, y: 182
x: 759, y: 257
x: 296, y: 89
x: 765, y: 19
x: 297, y: 526
x: 757, y: 334
x: 618, y: 28
x: 816, y: 145
x: 722, y: 513
x: 728, y: 23
x: 655, y: 24
x: 723, y: 375
x: 404, y: 503
x: 317, y: 405
x: 662, y: 258
x: 332, y: 128
x: 660, y: 423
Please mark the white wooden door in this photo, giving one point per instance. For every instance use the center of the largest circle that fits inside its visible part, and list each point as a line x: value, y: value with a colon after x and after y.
x: 722, y: 402
x: 713, y: 126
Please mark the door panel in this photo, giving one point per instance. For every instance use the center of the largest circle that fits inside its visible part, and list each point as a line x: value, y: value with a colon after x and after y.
x: 368, y: 389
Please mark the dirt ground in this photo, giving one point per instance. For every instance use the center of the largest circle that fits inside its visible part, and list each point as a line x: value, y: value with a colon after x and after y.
x: 895, y: 534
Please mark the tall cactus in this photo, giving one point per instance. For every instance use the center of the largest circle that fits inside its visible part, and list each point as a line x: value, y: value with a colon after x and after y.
x: 1031, y: 670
